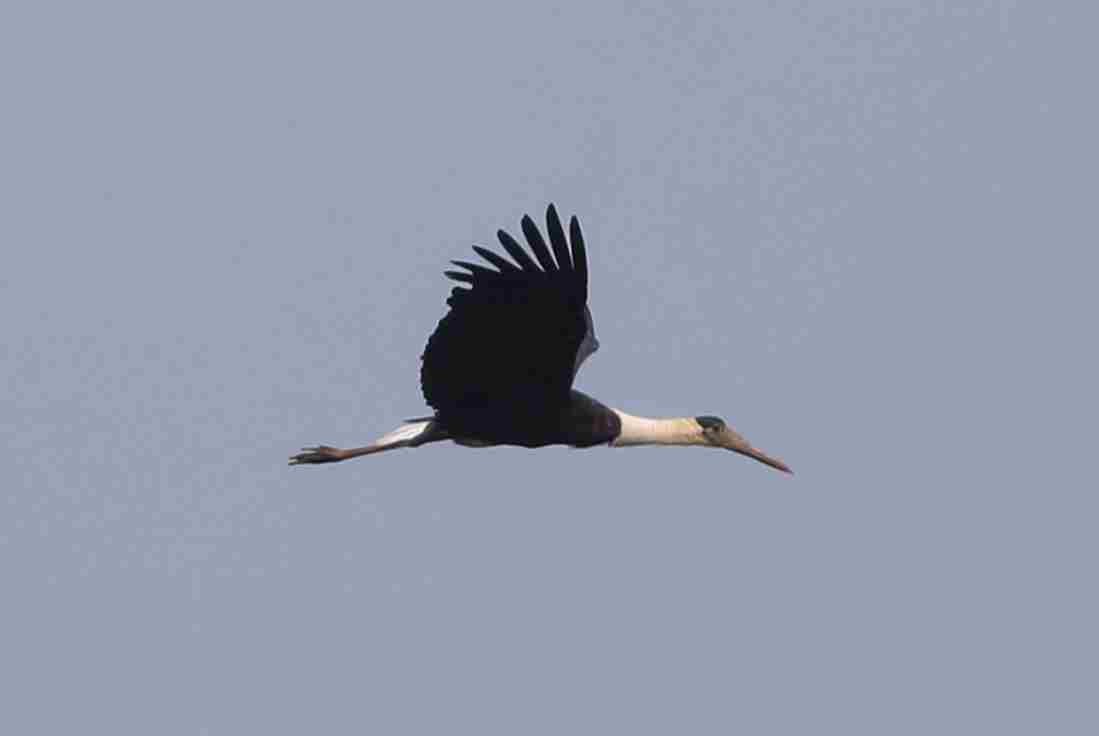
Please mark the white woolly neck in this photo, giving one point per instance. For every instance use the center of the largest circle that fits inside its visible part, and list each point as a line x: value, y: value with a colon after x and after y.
x: 645, y: 431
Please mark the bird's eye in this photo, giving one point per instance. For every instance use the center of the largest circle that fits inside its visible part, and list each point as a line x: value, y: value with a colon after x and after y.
x: 710, y: 424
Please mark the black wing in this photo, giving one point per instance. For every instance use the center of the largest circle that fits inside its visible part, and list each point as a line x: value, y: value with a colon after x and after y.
x: 516, y: 337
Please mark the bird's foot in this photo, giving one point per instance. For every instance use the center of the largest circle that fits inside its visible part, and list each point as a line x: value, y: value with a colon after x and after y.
x: 318, y: 454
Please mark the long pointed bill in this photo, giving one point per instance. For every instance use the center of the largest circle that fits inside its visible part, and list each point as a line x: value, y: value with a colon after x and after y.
x: 765, y: 459
x: 736, y: 443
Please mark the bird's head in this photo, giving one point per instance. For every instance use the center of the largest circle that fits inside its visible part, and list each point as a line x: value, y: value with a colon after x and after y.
x: 716, y: 433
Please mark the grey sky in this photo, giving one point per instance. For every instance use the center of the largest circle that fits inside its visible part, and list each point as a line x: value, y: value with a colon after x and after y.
x: 863, y: 233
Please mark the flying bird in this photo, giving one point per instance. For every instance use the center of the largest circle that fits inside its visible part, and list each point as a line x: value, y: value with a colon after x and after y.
x: 499, y: 368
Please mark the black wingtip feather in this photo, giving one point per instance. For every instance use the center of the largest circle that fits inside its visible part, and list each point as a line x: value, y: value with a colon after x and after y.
x: 512, y: 247
x: 495, y: 259
x: 476, y: 269
x: 538, y: 245
x: 579, y: 253
x: 459, y: 276
x: 557, y: 239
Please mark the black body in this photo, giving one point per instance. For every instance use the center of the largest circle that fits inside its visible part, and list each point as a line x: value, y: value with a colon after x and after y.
x: 499, y: 367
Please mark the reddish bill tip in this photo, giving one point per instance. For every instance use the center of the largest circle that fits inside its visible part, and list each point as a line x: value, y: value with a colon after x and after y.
x: 766, y: 459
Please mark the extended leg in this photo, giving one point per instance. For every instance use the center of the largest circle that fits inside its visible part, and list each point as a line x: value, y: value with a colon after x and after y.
x: 326, y: 454
x: 413, y: 434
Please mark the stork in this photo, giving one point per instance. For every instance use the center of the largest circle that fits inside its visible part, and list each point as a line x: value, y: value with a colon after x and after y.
x: 499, y: 368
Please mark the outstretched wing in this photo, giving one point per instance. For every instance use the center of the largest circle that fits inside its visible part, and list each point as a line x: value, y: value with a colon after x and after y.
x: 517, y: 335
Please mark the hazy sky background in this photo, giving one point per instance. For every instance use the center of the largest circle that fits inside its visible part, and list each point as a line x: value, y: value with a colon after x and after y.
x: 864, y: 233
